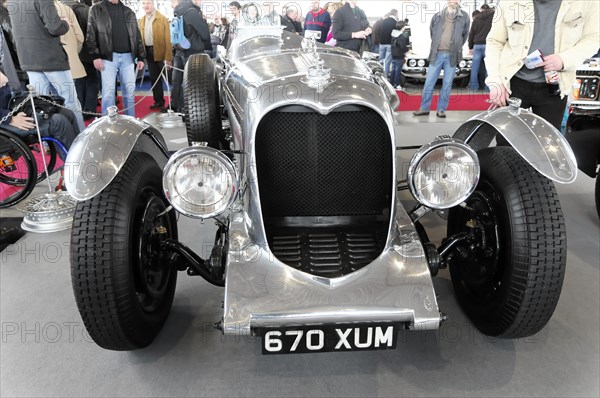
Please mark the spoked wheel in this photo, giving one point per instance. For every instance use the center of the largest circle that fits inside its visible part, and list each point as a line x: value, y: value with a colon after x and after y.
x: 18, y: 169
x: 122, y: 284
x: 202, y: 105
x: 508, y: 273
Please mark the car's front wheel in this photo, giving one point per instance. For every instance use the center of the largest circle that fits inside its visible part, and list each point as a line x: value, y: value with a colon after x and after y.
x: 122, y: 285
x: 508, y: 276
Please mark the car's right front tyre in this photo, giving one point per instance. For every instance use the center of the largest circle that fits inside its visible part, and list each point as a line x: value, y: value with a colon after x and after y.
x: 508, y: 277
x: 123, y: 287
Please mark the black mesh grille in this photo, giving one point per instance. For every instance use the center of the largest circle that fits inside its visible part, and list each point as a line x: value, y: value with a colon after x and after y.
x: 310, y: 164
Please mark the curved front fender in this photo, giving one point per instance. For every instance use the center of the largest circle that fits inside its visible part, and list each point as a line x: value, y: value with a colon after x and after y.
x: 98, y: 153
x: 536, y: 140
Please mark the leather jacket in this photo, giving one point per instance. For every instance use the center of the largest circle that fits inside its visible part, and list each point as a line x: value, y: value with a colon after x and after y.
x: 99, y: 33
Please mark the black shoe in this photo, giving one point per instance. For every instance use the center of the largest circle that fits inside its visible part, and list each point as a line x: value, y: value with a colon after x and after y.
x: 441, y: 114
x: 157, y: 106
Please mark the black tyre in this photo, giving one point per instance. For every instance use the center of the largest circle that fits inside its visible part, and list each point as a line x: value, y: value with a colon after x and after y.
x: 201, y: 101
x: 509, y: 283
x: 122, y: 288
x: 598, y: 194
x: 18, y: 169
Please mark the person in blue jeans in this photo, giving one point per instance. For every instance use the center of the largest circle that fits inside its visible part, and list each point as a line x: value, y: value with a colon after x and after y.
x: 385, y: 39
x: 115, y: 43
x: 37, y: 29
x: 449, y: 29
x: 482, y: 23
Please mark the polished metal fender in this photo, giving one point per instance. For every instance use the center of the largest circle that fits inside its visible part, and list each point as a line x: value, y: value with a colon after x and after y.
x: 536, y: 140
x: 98, y: 153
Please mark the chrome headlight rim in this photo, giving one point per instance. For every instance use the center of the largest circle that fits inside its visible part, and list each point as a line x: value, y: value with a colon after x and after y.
x: 421, y: 63
x: 462, y: 64
x: 199, y: 149
x: 412, y: 63
x: 427, y: 149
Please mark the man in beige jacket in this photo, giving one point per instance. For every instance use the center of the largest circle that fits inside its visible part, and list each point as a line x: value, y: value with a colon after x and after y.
x: 72, y: 41
x: 565, y: 32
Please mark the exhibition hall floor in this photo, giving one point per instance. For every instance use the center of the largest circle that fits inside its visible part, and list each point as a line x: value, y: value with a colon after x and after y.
x: 45, y: 351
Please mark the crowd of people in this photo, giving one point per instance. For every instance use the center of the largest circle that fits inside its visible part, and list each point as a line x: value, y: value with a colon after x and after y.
x: 76, y: 49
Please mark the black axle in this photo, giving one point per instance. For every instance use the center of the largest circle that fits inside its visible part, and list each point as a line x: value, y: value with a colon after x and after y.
x: 183, y: 258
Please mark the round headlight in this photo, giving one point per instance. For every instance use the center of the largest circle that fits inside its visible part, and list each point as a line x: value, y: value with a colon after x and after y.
x: 421, y: 63
x: 412, y: 63
x: 443, y: 174
x: 469, y: 64
x: 200, y: 182
x: 462, y: 63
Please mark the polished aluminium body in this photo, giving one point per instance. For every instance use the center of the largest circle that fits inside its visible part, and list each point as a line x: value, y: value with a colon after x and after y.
x: 261, y: 73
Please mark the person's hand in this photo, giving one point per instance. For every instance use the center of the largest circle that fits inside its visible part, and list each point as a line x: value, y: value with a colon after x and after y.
x: 140, y: 65
x: 168, y: 63
x: 368, y: 31
x: 552, y: 62
x: 22, y: 121
x: 359, y: 35
x: 499, y: 95
x: 471, y: 52
x: 98, y: 64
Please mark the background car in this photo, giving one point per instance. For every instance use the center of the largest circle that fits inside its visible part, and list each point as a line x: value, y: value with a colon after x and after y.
x: 583, y: 124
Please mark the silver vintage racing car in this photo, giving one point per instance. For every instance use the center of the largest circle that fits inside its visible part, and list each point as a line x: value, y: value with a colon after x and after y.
x: 292, y: 153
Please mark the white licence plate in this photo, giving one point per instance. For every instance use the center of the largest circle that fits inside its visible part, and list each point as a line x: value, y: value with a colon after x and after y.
x: 326, y: 338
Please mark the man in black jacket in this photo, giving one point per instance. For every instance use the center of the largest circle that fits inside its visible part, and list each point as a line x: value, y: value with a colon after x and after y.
x: 385, y: 39
x: 196, y: 31
x: 115, y: 43
x: 290, y: 21
x: 37, y: 29
x: 350, y: 26
x: 480, y: 28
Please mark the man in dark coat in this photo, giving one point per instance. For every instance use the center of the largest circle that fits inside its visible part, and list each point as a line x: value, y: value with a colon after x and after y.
x: 196, y: 31
x: 290, y: 21
x: 350, y: 26
x: 37, y: 29
x: 115, y: 44
x: 449, y: 29
x: 480, y: 28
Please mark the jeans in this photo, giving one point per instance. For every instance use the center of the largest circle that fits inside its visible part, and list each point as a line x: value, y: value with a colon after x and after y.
x: 397, y: 71
x: 478, y: 56
x: 59, y: 83
x: 87, y: 88
x: 442, y: 61
x: 122, y: 64
x: 385, y: 55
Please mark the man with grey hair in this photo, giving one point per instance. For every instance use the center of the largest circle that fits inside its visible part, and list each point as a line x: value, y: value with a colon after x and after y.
x: 564, y: 32
x: 449, y: 30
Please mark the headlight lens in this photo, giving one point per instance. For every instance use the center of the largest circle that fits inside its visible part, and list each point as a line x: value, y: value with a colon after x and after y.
x: 421, y: 63
x: 412, y: 63
x: 469, y: 64
x: 443, y: 174
x: 200, y: 182
x: 462, y: 63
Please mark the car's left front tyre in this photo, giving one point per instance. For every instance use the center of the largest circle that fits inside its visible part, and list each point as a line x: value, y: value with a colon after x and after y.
x: 122, y: 284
